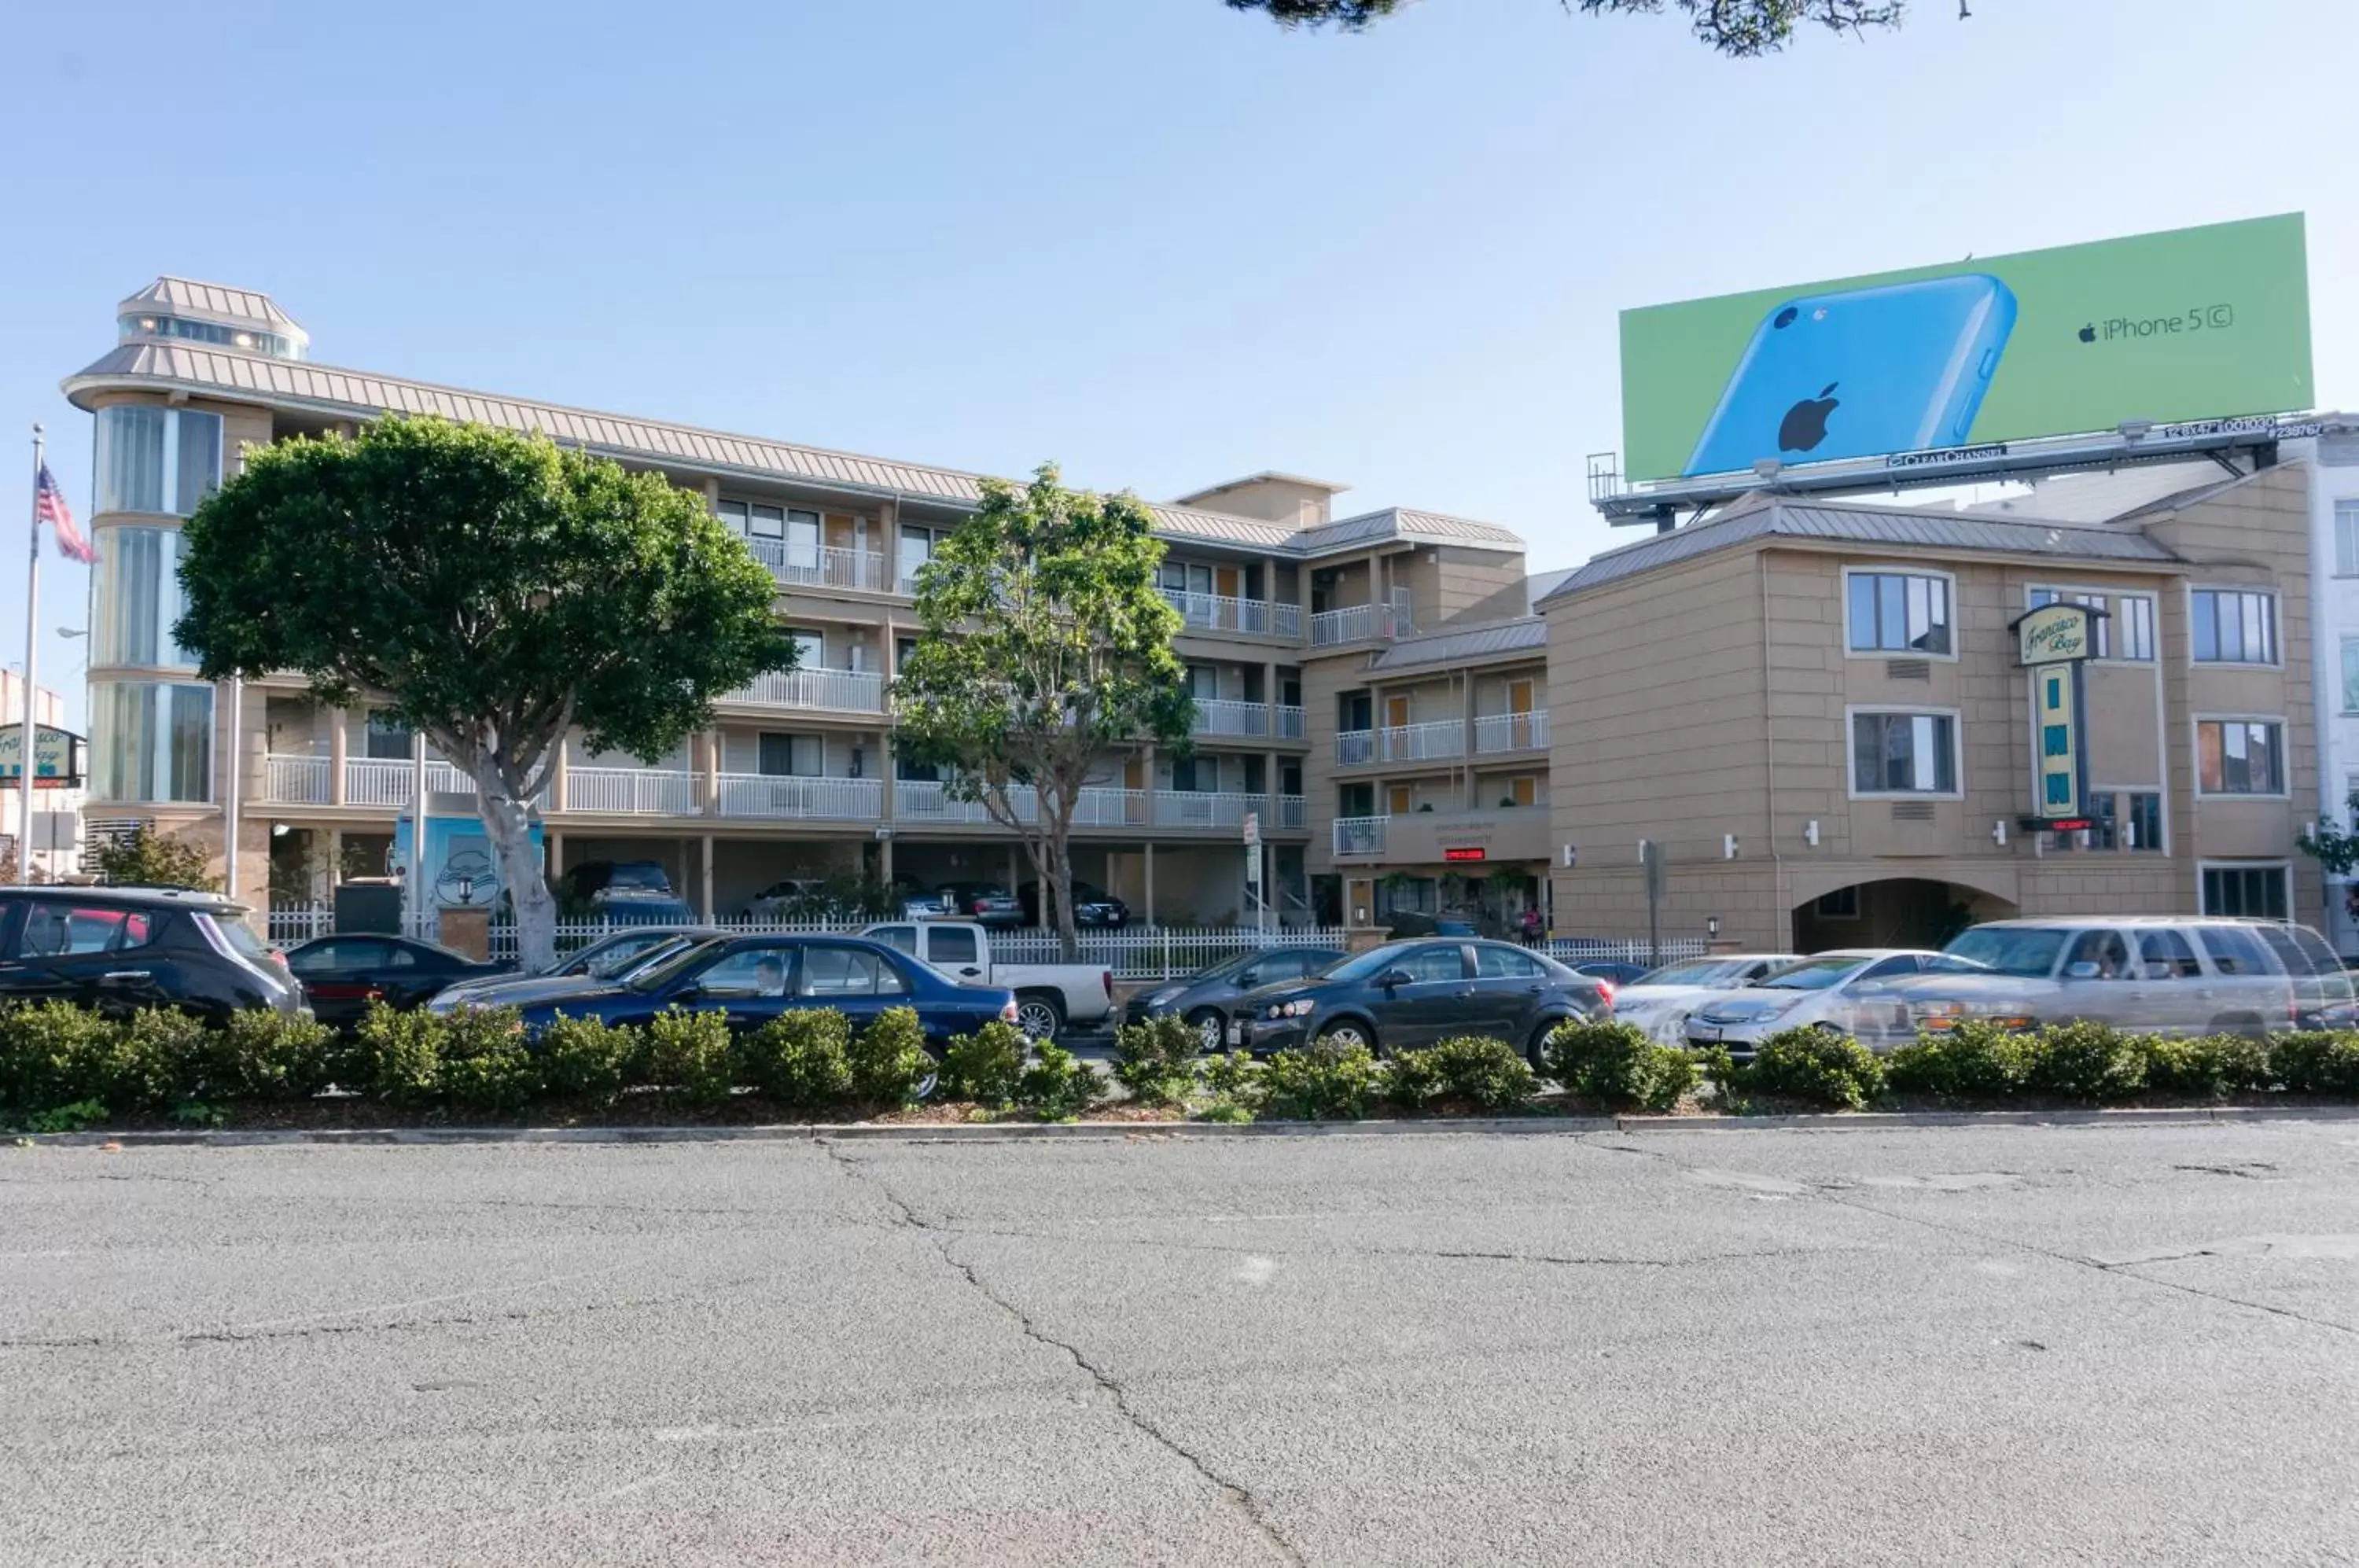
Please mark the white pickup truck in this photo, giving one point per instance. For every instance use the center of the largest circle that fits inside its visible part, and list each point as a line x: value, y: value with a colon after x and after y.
x: 1048, y: 995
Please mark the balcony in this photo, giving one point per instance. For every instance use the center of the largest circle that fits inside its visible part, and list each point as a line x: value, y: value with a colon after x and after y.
x: 789, y: 796
x: 1440, y: 741
x: 1205, y: 808
x: 1290, y: 723
x: 308, y: 780
x: 1221, y: 718
x: 1511, y: 732
x: 824, y: 566
x: 840, y: 691
x: 1359, y: 835
x: 1223, y: 613
x: 1358, y: 623
x: 630, y: 791
x: 1291, y: 812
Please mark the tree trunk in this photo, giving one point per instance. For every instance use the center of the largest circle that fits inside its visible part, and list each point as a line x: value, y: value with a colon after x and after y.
x: 1069, y: 940
x: 509, y: 823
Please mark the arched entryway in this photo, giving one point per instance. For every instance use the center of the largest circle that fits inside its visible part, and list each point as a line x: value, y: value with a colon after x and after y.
x: 1893, y: 911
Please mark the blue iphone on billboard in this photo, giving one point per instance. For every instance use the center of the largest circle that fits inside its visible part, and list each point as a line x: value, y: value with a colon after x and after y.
x: 1901, y: 367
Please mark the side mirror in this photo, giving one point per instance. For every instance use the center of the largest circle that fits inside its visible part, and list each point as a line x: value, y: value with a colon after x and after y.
x: 1392, y: 977
x: 2084, y: 970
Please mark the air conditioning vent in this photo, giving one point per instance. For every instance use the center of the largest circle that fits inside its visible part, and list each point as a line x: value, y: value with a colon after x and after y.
x: 1912, y: 810
x: 1910, y: 669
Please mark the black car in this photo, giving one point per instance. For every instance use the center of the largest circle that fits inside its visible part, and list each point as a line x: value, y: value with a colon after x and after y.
x: 1410, y: 993
x: 986, y: 903
x: 595, y: 884
x: 343, y: 975
x: 120, y: 948
x: 1093, y: 904
x: 1205, y: 997
x: 611, y: 957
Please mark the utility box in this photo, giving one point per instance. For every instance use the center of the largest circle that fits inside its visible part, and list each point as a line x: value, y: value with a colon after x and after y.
x: 369, y: 903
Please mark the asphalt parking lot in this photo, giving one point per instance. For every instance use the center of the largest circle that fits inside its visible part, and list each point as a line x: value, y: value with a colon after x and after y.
x: 2086, y: 1345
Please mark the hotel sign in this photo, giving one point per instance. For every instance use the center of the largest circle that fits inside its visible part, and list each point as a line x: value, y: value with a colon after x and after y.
x: 57, y: 757
x: 2053, y: 642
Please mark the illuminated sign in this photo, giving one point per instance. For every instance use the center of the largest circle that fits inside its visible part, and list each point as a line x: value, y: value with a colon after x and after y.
x: 2053, y: 642
x: 2055, y: 633
x: 1465, y: 852
x: 57, y: 757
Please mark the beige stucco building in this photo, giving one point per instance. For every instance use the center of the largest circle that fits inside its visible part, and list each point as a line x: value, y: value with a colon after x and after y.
x: 1818, y: 710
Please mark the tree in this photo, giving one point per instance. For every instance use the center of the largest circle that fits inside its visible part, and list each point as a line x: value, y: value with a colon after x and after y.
x: 1742, y: 28
x: 1044, y: 652
x: 2336, y: 851
x: 490, y: 588
x: 143, y: 856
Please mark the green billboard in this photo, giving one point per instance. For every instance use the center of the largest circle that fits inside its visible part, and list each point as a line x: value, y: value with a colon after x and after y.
x: 2190, y: 324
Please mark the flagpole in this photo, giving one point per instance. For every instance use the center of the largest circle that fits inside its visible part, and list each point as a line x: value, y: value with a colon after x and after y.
x: 32, y: 649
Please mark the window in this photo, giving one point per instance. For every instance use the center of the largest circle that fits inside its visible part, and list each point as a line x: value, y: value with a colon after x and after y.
x: 955, y: 944
x: 1506, y: 963
x: 388, y: 738
x: 2240, y: 756
x: 2346, y: 538
x: 1194, y: 774
x: 799, y: 756
x: 1904, y: 754
x: 2234, y: 950
x: 153, y: 459
x: 57, y: 930
x: 151, y: 741
x: 1842, y: 904
x: 916, y: 549
x: 2125, y: 632
x: 2142, y: 820
x: 830, y: 973
x: 811, y: 648
x: 1204, y: 682
x: 2163, y: 955
x: 1893, y: 968
x: 2351, y: 675
x: 2098, y: 956
x: 1896, y: 612
x: 1429, y: 964
x: 901, y: 939
x: 136, y: 596
x: 2255, y: 891
x: 2232, y: 626
x: 759, y: 972
x: 271, y: 343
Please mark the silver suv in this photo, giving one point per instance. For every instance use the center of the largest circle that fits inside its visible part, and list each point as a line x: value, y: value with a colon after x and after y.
x: 2163, y: 975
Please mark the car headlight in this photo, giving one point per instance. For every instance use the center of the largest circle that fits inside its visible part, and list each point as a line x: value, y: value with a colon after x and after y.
x: 1165, y: 996
x: 1300, y: 1007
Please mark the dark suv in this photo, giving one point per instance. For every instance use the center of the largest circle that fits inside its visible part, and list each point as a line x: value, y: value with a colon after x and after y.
x: 120, y: 949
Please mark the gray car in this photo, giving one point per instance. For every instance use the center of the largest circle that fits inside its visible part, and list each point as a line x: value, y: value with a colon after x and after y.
x: 612, y: 957
x: 1203, y: 998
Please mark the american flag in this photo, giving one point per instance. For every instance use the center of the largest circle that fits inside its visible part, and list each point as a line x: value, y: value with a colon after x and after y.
x: 50, y: 507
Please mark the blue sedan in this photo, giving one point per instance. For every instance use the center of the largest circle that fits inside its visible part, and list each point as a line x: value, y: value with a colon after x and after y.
x: 752, y: 979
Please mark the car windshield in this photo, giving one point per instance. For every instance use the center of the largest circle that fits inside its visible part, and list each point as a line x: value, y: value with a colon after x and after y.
x: 1696, y: 972
x: 2026, y: 951
x: 239, y: 936
x: 1374, y: 961
x: 625, y: 956
x: 1811, y: 975
x: 655, y: 975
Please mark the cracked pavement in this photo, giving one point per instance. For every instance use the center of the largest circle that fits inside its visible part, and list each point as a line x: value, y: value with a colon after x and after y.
x: 1970, y: 1344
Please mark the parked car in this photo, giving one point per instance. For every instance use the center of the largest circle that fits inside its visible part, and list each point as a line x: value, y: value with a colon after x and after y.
x: 609, y: 887
x: 1205, y: 997
x: 1848, y: 991
x: 343, y: 975
x: 1093, y: 904
x: 1660, y: 1000
x: 773, y: 901
x: 613, y: 957
x: 120, y: 948
x: 987, y: 903
x: 752, y: 979
x: 1406, y: 923
x: 2160, y: 974
x: 1615, y: 972
x: 1409, y: 994
x: 1048, y: 995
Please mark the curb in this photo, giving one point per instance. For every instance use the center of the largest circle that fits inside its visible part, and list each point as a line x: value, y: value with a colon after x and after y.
x: 993, y: 1132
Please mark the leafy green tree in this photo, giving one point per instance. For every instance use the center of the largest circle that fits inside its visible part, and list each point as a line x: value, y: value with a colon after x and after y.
x: 2336, y: 850
x: 143, y: 856
x: 1044, y: 652
x: 1739, y: 27
x: 491, y: 589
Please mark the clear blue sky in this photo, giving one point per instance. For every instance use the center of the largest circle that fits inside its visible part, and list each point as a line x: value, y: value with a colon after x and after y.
x: 1159, y: 242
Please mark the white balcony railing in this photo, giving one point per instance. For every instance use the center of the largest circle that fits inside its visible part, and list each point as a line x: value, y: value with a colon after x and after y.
x: 1356, y: 623
x: 379, y: 781
x: 824, y: 566
x: 1290, y: 723
x: 631, y: 791
x: 1360, y: 836
x: 1285, y: 620
x: 1109, y: 807
x: 1432, y: 741
x: 844, y: 690
x: 1222, y: 718
x: 1511, y: 732
x: 1290, y: 810
x: 799, y: 796
x: 1204, y: 809
x: 1354, y: 746
x: 1223, y: 613
x: 296, y: 780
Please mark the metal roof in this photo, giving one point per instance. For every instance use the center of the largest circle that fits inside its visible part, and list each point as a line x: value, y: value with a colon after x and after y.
x: 1525, y: 633
x: 214, y: 301
x: 1763, y: 518
x: 356, y: 393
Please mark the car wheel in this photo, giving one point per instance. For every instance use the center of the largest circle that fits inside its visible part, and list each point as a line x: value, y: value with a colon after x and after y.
x: 1039, y: 1016
x: 1537, y: 1050
x: 1827, y: 1030
x: 1207, y: 1024
x: 1344, y: 1036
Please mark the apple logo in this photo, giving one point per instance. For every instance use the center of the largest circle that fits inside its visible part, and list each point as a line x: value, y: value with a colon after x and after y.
x: 1805, y: 424
x: 2089, y: 333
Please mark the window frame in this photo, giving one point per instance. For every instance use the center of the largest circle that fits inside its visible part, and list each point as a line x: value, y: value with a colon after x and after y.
x: 2274, y: 626
x: 1855, y: 712
x: 2345, y: 528
x: 2203, y: 869
x: 2284, y: 763
x: 1950, y: 590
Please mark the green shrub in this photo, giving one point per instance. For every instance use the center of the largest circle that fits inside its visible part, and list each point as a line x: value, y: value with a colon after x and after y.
x: 801, y: 1059
x: 1817, y: 1066
x: 47, y: 1053
x: 2207, y: 1067
x: 73, y: 1117
x: 266, y: 1055
x: 589, y: 1058
x: 486, y: 1062
x: 986, y: 1066
x: 396, y: 1056
x: 889, y: 1059
x: 153, y: 1061
x: 1488, y: 1073
x: 1055, y: 1084
x: 1972, y: 1062
x: 1319, y: 1082
x: 1155, y: 1061
x: 1233, y: 1076
x: 1225, y: 1110
x: 689, y: 1056
x: 2316, y: 1062
x: 1618, y: 1066
x: 2092, y: 1063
